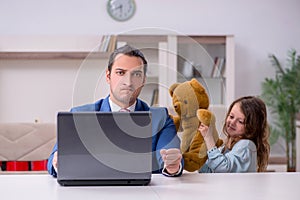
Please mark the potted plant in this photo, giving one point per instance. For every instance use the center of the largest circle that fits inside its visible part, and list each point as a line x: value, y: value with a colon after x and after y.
x: 282, y: 96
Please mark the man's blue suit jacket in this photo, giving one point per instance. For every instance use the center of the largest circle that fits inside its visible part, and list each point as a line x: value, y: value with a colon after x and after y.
x: 164, y: 134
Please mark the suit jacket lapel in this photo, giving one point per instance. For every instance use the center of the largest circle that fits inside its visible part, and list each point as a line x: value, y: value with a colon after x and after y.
x: 141, y: 106
x: 105, y: 107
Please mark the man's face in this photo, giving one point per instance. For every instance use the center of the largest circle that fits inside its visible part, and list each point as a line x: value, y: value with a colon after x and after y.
x: 126, y: 79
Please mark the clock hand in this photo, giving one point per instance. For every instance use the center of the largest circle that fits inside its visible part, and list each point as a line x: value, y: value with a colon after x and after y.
x: 119, y: 7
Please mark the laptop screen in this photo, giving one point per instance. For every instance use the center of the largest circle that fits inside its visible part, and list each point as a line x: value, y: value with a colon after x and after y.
x: 104, y: 147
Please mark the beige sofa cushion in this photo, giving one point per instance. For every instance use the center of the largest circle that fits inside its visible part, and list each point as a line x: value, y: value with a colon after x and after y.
x: 26, y: 141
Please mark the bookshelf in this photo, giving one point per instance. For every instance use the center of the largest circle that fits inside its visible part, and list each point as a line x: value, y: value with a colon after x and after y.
x: 171, y: 59
x: 212, y: 61
x: 177, y: 58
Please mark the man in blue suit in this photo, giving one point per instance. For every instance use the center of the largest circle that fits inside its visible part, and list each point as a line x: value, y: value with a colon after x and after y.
x: 126, y: 75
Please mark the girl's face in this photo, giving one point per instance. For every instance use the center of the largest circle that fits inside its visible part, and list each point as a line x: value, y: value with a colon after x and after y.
x: 235, y: 122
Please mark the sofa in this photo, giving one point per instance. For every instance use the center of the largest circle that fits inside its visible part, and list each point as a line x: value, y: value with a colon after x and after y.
x: 26, y: 146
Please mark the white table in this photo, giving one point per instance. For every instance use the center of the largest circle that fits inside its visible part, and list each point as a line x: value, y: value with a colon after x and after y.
x: 190, y: 186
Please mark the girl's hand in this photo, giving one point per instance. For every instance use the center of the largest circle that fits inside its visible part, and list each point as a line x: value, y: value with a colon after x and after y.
x: 207, y: 134
x: 203, y: 129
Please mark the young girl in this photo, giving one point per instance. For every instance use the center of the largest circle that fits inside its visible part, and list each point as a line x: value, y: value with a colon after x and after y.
x: 246, y: 148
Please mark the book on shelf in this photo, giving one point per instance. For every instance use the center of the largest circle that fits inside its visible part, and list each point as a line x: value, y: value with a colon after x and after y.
x: 112, y: 43
x: 154, y: 100
x: 108, y: 43
x: 104, y: 43
x: 101, y: 43
x: 214, y: 67
x: 218, y: 68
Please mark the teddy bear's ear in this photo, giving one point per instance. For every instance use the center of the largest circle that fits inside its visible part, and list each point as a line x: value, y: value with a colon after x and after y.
x: 195, y: 84
x: 202, y: 95
x: 206, y: 117
x: 172, y: 88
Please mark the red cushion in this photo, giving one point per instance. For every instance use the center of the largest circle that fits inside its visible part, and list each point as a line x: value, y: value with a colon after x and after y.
x: 25, y: 165
x: 39, y: 165
x: 17, y: 166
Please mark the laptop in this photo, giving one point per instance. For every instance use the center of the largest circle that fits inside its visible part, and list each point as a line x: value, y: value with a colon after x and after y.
x: 104, y: 148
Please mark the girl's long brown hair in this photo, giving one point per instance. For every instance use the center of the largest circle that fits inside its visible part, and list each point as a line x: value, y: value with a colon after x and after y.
x: 256, y: 128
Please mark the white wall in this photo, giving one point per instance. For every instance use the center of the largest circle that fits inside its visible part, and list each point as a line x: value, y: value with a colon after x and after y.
x: 260, y: 27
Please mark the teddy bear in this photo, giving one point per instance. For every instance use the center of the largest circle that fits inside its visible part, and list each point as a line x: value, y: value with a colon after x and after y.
x: 189, y: 99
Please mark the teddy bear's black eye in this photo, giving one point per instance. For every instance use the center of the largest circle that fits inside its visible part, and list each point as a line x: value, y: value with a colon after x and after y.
x: 185, y: 101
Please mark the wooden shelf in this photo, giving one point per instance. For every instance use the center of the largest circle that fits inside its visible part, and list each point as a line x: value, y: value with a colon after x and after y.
x: 142, y: 38
x: 185, y: 39
x: 190, y: 39
x: 43, y: 55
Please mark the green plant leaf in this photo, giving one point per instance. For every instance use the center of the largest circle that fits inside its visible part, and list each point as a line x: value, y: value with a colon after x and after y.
x: 282, y: 95
x: 274, y: 135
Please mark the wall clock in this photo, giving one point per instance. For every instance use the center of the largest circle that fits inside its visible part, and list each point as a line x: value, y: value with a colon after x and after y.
x: 121, y: 10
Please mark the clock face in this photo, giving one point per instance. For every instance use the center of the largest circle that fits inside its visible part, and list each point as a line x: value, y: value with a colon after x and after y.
x: 121, y: 10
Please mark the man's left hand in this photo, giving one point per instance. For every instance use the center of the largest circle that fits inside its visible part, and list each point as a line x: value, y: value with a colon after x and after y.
x: 172, y: 159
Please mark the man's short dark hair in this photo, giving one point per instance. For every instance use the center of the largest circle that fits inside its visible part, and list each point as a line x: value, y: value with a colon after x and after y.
x: 128, y: 51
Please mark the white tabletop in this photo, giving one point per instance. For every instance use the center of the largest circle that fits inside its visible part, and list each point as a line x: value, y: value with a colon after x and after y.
x: 254, y: 186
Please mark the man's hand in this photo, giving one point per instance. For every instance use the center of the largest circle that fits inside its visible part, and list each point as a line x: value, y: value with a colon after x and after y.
x: 172, y: 158
x: 54, y: 161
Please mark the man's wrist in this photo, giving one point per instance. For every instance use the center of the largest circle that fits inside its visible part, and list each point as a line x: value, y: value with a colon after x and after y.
x: 165, y: 171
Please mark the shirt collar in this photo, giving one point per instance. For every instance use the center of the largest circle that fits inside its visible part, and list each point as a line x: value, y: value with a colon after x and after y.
x: 115, y: 108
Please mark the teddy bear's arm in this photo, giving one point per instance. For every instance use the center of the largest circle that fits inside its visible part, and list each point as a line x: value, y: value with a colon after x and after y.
x: 192, y: 162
